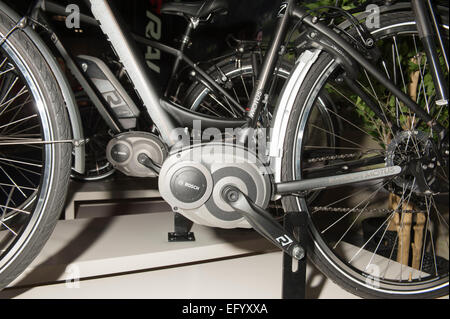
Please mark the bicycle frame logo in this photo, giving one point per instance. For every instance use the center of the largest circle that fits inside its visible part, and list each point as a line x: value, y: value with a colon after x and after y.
x: 284, y: 240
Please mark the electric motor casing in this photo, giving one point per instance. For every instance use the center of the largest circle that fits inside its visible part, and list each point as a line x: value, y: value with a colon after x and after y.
x: 191, y: 181
x: 124, y: 149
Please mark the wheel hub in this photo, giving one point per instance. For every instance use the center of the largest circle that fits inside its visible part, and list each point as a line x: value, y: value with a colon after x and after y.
x: 417, y: 154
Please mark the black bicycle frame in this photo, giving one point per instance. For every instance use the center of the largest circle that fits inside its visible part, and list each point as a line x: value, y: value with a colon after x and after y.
x: 349, y: 51
x: 288, y: 10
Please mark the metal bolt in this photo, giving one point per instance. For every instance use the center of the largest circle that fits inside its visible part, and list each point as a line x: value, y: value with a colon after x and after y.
x: 313, y: 35
x: 84, y: 66
x: 446, y: 152
x: 369, y: 42
x: 232, y: 196
x: 424, y: 167
x: 23, y: 23
x: 298, y: 252
x: 431, y: 165
x: 314, y: 20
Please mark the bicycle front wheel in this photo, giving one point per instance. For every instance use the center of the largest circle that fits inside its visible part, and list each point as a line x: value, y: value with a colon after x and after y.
x: 35, y: 151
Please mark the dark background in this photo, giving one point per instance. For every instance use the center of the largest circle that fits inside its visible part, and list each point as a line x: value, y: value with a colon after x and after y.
x: 245, y: 19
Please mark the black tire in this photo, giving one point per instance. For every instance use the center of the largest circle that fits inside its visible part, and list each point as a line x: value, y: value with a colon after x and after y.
x: 44, y: 203
x: 320, y: 250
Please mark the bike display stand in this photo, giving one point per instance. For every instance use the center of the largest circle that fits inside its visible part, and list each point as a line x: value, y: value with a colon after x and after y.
x: 182, y: 227
x: 294, y: 271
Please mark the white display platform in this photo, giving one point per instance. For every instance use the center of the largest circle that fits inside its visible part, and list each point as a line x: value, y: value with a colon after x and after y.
x: 112, y: 189
x: 105, y: 246
x: 130, y: 257
x: 250, y: 277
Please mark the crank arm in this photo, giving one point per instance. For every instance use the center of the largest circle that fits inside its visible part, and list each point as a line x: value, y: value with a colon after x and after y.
x: 145, y: 160
x: 291, y: 187
x: 262, y: 222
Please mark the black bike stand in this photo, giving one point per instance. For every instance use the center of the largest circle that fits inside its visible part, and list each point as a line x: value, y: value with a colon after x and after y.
x: 294, y: 271
x: 182, y: 231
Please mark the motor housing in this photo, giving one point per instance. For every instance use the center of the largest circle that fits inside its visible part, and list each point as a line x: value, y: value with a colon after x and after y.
x: 124, y: 149
x: 192, y: 181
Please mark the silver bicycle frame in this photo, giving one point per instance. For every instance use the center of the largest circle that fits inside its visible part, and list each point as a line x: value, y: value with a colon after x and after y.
x: 128, y: 54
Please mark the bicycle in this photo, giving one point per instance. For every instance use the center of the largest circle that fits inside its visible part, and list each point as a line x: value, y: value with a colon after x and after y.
x: 383, y: 144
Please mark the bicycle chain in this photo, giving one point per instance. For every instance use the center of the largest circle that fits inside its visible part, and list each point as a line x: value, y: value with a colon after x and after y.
x: 359, y: 210
x: 334, y: 157
x: 346, y: 209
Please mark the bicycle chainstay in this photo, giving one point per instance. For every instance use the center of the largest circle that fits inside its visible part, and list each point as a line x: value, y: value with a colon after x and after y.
x: 347, y: 209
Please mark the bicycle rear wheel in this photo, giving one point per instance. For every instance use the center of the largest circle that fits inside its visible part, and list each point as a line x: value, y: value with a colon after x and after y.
x: 388, y: 238
x: 237, y: 76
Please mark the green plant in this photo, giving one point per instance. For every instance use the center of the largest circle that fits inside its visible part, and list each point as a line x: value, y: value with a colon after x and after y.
x: 344, y: 4
x: 415, y: 82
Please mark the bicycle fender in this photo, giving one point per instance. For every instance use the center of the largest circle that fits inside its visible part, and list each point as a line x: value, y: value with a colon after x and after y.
x: 284, y: 108
x: 67, y: 93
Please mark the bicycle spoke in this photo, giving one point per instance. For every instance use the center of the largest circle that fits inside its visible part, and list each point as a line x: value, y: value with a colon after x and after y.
x: 202, y: 105
x: 19, y: 121
x: 12, y: 181
x: 339, y: 137
x: 9, y: 90
x: 19, y: 186
x: 356, y: 106
x: 342, y: 199
x: 221, y: 104
x: 353, y: 223
x: 245, y: 88
x: 353, y: 125
x: 237, y: 97
x: 354, y: 208
x: 438, y: 212
x: 21, y: 169
x: 6, y: 104
x: 373, y: 235
x: 8, y: 195
x: 15, y: 209
x: 20, y: 162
